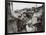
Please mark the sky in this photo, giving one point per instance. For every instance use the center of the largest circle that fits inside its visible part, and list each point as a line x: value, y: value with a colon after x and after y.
x: 19, y: 6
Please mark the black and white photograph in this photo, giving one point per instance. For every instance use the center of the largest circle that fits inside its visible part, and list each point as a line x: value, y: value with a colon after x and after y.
x: 25, y: 17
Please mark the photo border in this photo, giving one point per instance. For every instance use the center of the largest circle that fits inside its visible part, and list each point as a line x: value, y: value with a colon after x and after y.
x: 6, y: 2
